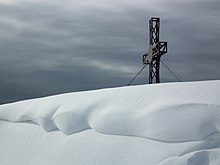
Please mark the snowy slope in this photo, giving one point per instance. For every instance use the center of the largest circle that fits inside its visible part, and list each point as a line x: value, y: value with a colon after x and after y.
x: 175, y: 123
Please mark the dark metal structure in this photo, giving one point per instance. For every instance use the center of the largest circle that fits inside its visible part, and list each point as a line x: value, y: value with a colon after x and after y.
x: 156, y: 50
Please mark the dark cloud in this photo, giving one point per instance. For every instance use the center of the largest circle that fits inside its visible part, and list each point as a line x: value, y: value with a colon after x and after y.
x: 51, y: 47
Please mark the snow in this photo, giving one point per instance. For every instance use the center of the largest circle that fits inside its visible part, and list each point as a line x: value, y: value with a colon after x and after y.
x: 165, y: 124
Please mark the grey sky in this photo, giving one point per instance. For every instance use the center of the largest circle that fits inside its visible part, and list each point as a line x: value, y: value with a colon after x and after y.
x: 50, y: 47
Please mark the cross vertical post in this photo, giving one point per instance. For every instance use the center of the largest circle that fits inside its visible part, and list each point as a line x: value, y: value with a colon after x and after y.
x: 156, y: 50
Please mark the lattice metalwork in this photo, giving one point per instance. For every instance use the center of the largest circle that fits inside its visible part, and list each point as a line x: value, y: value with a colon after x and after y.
x: 156, y: 50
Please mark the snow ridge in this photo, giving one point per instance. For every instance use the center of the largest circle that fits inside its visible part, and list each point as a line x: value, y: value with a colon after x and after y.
x: 174, y: 112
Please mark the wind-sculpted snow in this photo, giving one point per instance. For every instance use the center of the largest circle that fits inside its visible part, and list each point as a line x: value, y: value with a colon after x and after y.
x: 164, y: 124
x: 172, y: 112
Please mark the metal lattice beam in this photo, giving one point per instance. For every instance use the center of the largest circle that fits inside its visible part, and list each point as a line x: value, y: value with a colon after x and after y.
x: 156, y: 50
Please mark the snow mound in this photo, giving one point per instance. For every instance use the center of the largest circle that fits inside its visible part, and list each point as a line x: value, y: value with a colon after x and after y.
x: 173, y: 112
x: 164, y: 124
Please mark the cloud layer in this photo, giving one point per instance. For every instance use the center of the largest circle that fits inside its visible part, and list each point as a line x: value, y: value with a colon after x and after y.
x: 50, y: 47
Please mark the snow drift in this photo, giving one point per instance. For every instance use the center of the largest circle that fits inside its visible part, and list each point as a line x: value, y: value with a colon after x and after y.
x: 182, y: 120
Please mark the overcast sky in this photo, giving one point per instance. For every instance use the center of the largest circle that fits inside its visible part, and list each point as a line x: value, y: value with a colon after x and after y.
x: 56, y: 46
